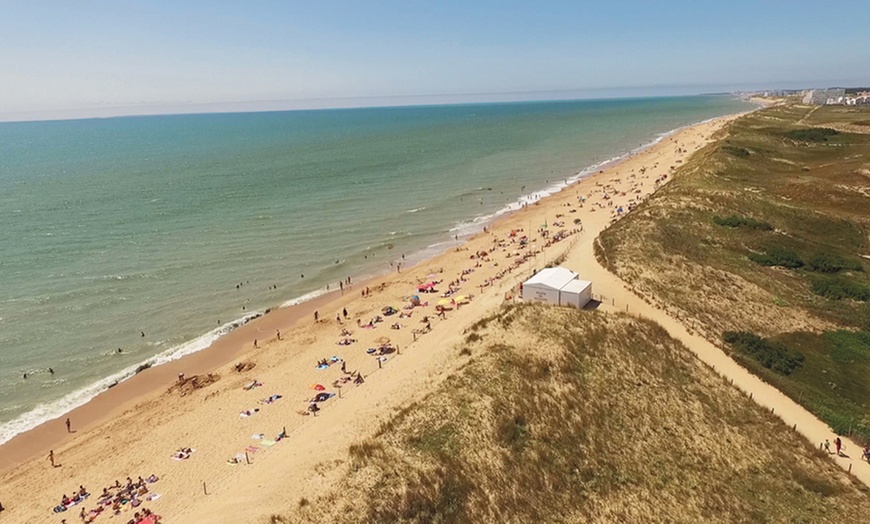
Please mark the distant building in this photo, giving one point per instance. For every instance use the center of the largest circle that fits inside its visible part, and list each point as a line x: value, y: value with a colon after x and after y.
x: 820, y: 97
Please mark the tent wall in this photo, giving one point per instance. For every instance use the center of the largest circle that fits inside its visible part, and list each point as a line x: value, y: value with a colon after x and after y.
x: 540, y: 293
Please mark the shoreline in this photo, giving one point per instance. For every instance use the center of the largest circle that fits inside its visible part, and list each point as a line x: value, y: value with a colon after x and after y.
x: 139, y: 441
x: 463, y: 229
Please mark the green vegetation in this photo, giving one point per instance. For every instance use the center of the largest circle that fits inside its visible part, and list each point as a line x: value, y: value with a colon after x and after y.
x: 771, y: 355
x: 736, y: 151
x: 839, y: 288
x: 828, y: 263
x: 816, y: 134
x: 739, y: 221
x: 777, y: 257
x: 689, y: 249
x: 577, y: 416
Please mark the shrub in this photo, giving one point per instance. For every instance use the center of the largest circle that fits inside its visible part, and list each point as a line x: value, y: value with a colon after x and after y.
x: 739, y: 152
x: 772, y: 355
x: 739, y: 221
x: 816, y: 134
x: 777, y: 257
x: 840, y: 288
x: 828, y: 263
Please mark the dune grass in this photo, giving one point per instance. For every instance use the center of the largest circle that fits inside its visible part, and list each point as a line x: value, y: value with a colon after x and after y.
x: 773, y: 242
x: 578, y: 416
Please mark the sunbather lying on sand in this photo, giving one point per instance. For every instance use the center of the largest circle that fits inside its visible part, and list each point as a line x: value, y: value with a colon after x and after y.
x: 180, y: 454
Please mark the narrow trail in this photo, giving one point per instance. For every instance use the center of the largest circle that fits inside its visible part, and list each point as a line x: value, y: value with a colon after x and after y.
x: 617, y: 296
x: 803, y: 120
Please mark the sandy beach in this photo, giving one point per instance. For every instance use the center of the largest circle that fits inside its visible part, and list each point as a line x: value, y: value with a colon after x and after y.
x: 134, y: 429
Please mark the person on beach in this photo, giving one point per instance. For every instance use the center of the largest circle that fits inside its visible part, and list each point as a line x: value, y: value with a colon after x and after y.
x: 316, y: 316
x: 827, y: 446
x: 278, y: 332
x: 255, y: 343
x: 68, y: 426
x: 181, y: 377
x: 51, y: 458
x: 839, y: 445
x: 344, y: 312
x: 50, y: 371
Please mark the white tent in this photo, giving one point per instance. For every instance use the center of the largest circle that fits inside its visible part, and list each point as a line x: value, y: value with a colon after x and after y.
x: 576, y: 293
x: 558, y: 286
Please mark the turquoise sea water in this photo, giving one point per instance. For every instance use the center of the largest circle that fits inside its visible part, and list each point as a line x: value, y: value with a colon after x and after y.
x: 112, y: 227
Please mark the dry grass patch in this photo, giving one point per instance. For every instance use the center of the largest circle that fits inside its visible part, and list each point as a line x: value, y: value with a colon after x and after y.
x: 575, y: 416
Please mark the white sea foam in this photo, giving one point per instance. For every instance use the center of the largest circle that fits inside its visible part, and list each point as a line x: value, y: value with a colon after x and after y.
x: 51, y: 410
x: 470, y: 227
x: 415, y: 210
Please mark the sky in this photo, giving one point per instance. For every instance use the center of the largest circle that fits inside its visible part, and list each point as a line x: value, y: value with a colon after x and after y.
x: 79, y: 58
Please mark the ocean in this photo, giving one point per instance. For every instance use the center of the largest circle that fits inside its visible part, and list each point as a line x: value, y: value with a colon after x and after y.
x: 181, y: 226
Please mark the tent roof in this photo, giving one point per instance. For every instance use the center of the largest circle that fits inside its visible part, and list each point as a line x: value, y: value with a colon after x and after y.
x: 576, y: 286
x: 552, y: 277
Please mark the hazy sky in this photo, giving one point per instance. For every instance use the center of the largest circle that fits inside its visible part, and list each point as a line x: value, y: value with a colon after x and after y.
x: 77, y: 58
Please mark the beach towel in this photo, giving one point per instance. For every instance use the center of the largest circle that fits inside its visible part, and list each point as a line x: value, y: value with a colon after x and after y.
x: 322, y: 366
x: 153, y: 496
x: 268, y: 443
x: 258, y: 436
x: 252, y: 449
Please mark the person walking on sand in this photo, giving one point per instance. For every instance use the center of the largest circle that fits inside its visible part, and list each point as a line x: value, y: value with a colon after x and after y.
x: 278, y: 332
x: 255, y: 343
x: 344, y: 312
x: 316, y: 317
x: 839, y: 445
x: 68, y: 425
x: 51, y: 458
x: 827, y: 446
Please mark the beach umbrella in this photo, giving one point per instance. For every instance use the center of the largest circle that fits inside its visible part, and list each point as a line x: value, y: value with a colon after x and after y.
x: 382, y: 340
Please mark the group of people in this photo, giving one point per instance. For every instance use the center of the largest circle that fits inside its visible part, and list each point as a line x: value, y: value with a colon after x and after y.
x: 113, y: 499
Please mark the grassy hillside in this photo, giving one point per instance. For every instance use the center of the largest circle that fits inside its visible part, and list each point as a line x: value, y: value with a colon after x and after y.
x: 568, y: 416
x: 765, y: 234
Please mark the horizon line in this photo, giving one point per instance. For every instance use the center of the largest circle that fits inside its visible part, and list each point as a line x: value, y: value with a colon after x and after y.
x: 357, y: 102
